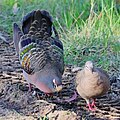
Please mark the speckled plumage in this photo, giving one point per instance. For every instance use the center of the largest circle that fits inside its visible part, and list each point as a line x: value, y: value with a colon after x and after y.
x: 38, y: 48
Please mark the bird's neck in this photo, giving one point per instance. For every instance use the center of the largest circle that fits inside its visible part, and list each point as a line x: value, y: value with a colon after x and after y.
x: 88, y: 71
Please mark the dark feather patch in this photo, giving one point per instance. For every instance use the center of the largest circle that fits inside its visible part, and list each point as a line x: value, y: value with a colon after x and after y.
x: 26, y: 23
x: 25, y: 42
x: 58, y: 44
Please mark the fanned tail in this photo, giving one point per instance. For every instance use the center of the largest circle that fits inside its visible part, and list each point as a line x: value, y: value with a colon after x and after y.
x: 38, y: 23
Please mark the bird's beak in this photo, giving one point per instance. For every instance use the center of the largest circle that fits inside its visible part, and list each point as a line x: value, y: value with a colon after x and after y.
x: 59, y: 88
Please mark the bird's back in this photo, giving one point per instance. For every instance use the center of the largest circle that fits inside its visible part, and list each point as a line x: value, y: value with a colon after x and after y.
x: 37, y: 47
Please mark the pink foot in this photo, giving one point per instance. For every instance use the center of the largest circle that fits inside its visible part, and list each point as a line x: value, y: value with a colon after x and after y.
x: 90, y: 107
x: 93, y: 103
x: 30, y: 87
x: 49, y: 94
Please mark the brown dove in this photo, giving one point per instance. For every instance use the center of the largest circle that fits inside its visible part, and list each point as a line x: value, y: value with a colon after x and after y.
x: 91, y: 83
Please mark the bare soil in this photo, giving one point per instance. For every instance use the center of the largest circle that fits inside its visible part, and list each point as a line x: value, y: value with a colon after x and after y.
x: 16, y: 103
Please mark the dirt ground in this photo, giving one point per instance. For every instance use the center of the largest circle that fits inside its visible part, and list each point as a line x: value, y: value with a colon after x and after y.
x: 16, y: 103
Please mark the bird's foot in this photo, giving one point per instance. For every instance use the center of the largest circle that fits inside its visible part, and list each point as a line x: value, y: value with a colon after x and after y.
x: 90, y: 107
x: 30, y: 87
x: 48, y: 94
x: 93, y: 104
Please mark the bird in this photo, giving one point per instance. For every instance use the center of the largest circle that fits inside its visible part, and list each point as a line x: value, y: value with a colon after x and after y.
x: 40, y: 51
x: 91, y: 82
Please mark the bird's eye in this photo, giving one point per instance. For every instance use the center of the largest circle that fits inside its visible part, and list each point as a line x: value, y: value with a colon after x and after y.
x: 54, y: 83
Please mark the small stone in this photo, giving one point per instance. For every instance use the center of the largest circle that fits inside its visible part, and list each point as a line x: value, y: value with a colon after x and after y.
x: 60, y: 115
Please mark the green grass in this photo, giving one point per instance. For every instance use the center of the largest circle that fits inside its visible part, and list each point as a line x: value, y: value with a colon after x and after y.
x: 89, y: 29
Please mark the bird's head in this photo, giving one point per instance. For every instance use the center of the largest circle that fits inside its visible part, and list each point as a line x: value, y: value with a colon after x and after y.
x: 49, y: 84
x: 89, y: 66
x: 54, y: 84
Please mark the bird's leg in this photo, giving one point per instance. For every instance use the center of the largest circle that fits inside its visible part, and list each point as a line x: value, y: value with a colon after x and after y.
x: 89, y: 106
x: 27, y: 77
x: 93, y: 103
x: 48, y: 94
x: 30, y: 87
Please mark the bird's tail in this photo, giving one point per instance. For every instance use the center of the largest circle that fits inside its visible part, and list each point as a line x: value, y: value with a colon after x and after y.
x: 38, y: 23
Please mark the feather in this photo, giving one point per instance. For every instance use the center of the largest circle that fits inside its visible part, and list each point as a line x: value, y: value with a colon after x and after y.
x: 17, y: 33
